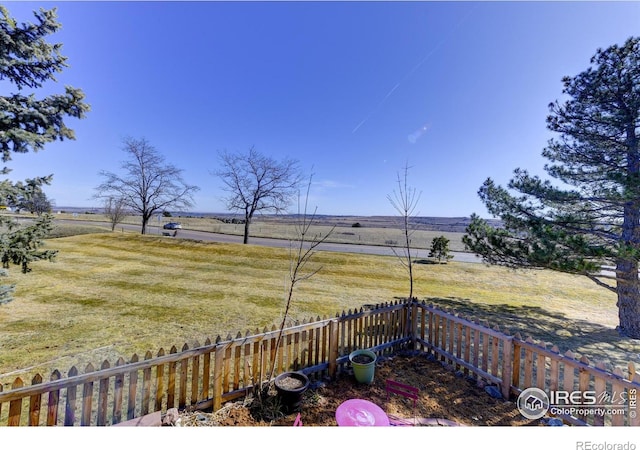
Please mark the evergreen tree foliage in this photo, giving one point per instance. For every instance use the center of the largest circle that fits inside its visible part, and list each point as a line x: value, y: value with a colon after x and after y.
x: 440, y: 249
x: 590, y: 224
x: 27, y: 123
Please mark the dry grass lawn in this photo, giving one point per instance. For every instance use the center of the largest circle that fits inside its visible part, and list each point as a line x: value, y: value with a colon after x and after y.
x: 110, y: 295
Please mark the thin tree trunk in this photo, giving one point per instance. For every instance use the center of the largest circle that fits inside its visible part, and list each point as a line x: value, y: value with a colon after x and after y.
x: 407, y: 237
x: 247, y: 222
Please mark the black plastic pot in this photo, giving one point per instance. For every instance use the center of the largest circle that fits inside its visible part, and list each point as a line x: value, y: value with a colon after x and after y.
x: 290, y: 387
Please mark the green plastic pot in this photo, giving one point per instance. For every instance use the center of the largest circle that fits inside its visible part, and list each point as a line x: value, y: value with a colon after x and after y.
x: 363, y: 371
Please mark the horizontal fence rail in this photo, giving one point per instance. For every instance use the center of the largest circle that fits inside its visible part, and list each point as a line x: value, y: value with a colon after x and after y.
x: 206, y: 376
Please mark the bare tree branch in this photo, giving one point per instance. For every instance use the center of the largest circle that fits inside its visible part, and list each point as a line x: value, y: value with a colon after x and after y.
x: 116, y: 210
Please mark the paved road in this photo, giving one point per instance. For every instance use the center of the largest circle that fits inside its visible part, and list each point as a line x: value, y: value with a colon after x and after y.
x: 282, y: 243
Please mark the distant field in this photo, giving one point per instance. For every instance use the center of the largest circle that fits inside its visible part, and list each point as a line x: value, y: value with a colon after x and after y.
x: 112, y: 295
x: 384, y: 231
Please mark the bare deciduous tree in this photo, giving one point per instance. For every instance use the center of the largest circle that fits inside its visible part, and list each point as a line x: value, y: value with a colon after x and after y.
x: 405, y: 200
x: 34, y: 200
x: 148, y: 185
x: 301, y: 251
x: 257, y: 183
x: 116, y: 210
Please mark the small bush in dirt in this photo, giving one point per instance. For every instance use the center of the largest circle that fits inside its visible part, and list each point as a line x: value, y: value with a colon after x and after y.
x: 266, y: 406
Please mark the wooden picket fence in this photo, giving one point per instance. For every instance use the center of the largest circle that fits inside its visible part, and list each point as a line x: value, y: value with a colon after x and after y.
x: 514, y: 364
x: 206, y: 376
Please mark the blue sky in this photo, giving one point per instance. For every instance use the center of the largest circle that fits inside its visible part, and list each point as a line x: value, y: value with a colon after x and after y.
x: 354, y: 90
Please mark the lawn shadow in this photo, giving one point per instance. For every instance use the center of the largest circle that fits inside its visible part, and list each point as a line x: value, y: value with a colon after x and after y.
x: 593, y: 340
x: 428, y: 261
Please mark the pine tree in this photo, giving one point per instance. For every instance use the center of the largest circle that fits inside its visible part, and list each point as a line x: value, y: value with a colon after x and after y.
x: 27, y: 123
x: 591, y: 226
x: 440, y: 249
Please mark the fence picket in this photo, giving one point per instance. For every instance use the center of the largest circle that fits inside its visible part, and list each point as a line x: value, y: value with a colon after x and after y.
x: 359, y: 333
x: 118, y: 384
x: 495, y: 355
x: 287, y: 353
x: 15, y: 407
x: 633, y: 375
x: 450, y: 328
x: 485, y: 351
x: 316, y: 346
x: 70, y: 405
x: 554, y: 372
x: 458, y: 340
x: 617, y: 419
x: 569, y: 379
x: 273, y: 357
x: 237, y: 365
x: 159, y: 382
x: 310, y: 347
x: 195, y: 377
x: 171, y: 382
x: 517, y: 355
x: 35, y: 402
x: 541, y: 362
x: 182, y: 397
x: 476, y: 348
x: 146, y: 386
x: 217, y: 376
x: 103, y: 397
x: 255, y: 368
x: 87, y: 398
x: 600, y: 388
x: 264, y: 360
x: 133, y: 390
x: 528, y: 367
x: 54, y: 397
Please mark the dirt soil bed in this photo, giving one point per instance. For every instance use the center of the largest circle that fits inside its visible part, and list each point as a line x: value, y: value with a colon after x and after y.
x: 443, y: 395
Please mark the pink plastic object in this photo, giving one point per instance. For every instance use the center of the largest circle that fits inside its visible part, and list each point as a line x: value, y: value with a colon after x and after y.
x: 361, y: 413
